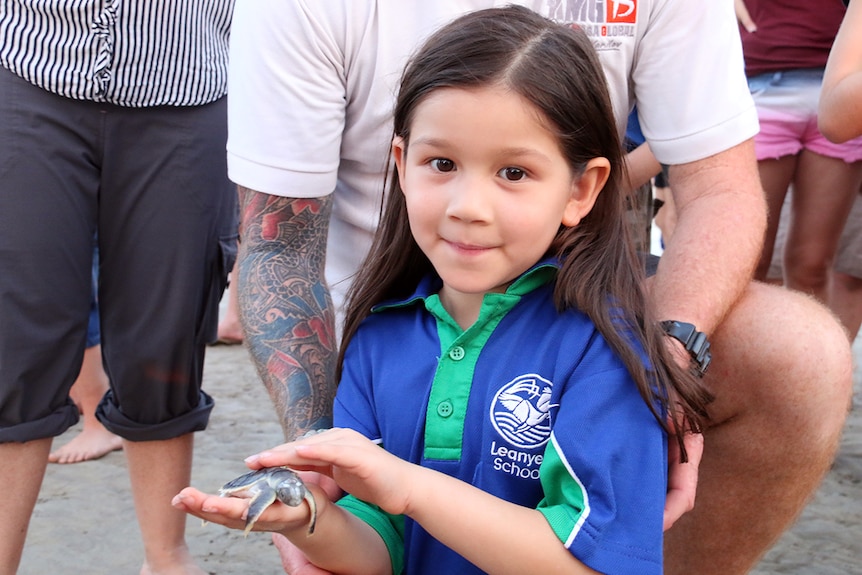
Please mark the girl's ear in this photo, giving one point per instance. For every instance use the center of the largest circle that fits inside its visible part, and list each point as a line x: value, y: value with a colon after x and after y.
x: 399, y: 154
x: 585, y: 190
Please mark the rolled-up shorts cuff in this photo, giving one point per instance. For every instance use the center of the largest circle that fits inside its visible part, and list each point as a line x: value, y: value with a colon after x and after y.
x: 53, y: 425
x: 116, y: 422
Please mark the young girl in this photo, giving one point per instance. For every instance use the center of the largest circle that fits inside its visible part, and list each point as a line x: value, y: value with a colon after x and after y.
x: 496, y: 345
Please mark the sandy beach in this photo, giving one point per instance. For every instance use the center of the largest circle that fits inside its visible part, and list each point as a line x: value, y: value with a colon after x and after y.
x: 84, y: 521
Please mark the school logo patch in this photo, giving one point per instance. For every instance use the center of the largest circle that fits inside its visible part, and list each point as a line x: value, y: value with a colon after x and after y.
x: 520, y: 411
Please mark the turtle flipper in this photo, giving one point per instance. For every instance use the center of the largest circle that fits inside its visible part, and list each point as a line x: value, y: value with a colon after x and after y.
x: 241, y: 483
x: 264, y: 486
x: 263, y: 497
x: 312, y: 505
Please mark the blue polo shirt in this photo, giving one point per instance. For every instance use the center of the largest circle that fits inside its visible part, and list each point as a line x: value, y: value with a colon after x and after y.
x: 528, y: 404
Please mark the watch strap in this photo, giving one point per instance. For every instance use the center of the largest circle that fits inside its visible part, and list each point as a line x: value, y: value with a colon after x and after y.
x: 696, y: 343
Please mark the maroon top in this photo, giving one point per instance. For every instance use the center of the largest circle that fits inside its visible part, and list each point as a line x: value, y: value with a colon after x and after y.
x: 790, y: 34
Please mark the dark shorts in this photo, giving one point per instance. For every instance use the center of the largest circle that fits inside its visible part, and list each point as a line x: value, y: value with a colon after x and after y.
x: 153, y: 183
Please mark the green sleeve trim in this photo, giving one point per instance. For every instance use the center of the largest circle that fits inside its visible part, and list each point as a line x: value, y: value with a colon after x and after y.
x: 566, y: 504
x: 389, y: 527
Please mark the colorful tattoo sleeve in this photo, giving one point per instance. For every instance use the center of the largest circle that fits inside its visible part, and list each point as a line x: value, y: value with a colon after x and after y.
x: 285, y: 306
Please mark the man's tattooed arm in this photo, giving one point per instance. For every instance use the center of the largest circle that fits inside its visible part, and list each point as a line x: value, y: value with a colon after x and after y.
x: 285, y: 306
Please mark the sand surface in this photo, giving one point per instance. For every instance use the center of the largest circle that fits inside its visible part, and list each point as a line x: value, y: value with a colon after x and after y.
x: 84, y: 521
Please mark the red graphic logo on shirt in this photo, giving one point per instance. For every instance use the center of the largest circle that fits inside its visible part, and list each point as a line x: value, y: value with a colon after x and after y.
x: 622, y: 11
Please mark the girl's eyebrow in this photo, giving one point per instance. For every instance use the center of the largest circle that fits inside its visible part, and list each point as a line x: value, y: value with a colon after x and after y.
x: 428, y: 141
x: 523, y: 152
x: 435, y: 142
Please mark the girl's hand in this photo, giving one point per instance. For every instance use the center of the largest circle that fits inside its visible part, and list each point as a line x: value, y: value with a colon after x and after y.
x: 358, y: 465
x: 232, y: 511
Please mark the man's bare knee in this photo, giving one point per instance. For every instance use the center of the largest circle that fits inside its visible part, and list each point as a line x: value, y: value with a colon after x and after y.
x: 782, y: 377
x: 782, y: 355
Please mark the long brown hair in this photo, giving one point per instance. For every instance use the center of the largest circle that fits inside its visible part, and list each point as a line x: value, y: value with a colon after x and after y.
x: 555, y: 68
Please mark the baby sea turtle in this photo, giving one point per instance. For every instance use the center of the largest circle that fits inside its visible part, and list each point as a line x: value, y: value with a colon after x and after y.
x: 266, y: 485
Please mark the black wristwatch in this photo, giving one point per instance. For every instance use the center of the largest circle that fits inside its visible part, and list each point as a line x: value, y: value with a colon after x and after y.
x: 695, y: 342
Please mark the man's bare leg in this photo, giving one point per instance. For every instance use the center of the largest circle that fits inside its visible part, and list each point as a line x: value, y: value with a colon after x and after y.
x: 94, y: 441
x: 782, y: 377
x: 21, y: 473
x: 158, y: 471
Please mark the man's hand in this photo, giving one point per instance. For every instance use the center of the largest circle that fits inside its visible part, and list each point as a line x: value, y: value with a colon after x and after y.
x: 294, y: 561
x: 681, y: 478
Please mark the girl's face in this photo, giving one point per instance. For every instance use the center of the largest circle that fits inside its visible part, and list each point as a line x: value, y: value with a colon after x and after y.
x: 487, y: 187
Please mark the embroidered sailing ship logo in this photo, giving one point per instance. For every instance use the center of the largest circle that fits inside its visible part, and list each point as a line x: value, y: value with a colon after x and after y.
x: 520, y: 411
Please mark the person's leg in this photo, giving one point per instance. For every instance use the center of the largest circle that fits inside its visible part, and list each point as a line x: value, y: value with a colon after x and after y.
x: 159, y: 470
x: 94, y: 441
x: 775, y: 177
x: 781, y: 374
x: 21, y: 482
x: 823, y: 193
x: 47, y: 213
x: 775, y: 275
x: 846, y: 296
x: 229, y: 328
x: 168, y: 213
x: 846, y: 300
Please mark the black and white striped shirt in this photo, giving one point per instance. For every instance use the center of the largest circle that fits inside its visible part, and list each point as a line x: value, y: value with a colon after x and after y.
x: 127, y: 52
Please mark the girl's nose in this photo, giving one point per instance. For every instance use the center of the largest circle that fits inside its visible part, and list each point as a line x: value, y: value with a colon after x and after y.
x: 470, y: 200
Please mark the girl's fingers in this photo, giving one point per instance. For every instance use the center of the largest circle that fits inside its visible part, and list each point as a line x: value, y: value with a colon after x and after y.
x: 227, y: 511
x: 333, y: 454
x: 231, y: 512
x: 285, y: 454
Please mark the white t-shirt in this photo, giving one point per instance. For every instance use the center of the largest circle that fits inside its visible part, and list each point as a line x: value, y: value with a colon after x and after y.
x: 312, y: 85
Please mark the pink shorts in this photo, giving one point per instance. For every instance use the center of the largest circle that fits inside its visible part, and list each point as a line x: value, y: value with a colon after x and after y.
x: 787, y: 108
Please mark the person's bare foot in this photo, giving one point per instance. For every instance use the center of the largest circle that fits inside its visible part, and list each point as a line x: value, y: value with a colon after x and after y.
x: 89, y: 444
x: 229, y: 332
x: 186, y: 569
x: 178, y: 563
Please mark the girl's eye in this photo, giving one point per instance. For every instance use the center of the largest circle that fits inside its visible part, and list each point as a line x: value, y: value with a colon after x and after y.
x: 513, y: 174
x: 442, y: 165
